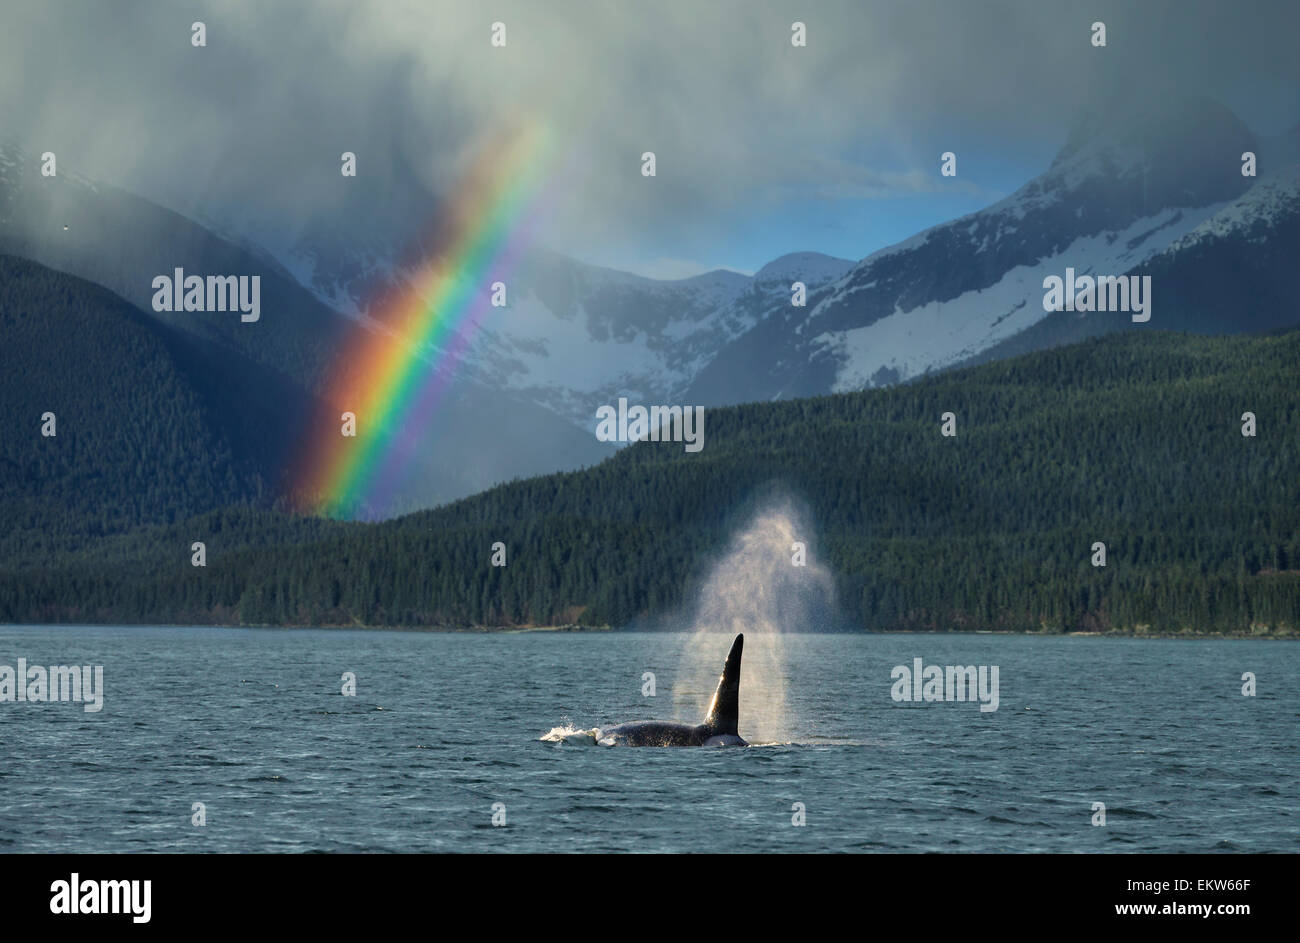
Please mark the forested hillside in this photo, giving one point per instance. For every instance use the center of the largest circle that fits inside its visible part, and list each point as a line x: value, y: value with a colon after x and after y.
x: 144, y: 431
x: 1133, y: 440
x: 302, y: 347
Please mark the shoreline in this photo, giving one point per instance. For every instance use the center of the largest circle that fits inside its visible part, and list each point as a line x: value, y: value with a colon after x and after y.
x: 1287, y: 635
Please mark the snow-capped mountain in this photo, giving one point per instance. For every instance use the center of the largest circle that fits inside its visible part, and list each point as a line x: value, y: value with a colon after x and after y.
x: 1154, y: 192
x: 577, y: 336
x: 1133, y: 184
x: 1122, y: 191
x: 574, y: 336
x: 1233, y: 272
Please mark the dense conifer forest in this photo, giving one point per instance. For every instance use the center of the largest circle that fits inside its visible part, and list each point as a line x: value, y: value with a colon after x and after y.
x: 1134, y: 440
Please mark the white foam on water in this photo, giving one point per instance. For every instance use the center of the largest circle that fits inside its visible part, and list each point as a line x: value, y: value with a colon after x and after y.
x: 570, y: 734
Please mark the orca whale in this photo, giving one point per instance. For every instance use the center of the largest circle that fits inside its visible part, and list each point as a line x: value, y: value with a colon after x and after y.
x: 718, y: 729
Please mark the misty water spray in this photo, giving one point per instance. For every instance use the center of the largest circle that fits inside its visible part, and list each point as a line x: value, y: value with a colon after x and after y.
x: 766, y: 585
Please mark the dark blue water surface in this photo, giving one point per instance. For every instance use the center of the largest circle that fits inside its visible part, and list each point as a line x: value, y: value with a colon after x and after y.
x: 252, y: 723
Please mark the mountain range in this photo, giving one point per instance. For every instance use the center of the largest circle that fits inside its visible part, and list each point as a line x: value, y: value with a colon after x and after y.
x: 1135, y: 189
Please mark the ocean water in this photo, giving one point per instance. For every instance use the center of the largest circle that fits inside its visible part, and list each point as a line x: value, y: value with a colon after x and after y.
x: 253, y: 724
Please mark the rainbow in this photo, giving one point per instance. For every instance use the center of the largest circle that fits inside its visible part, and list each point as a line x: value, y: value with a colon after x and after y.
x: 393, y: 369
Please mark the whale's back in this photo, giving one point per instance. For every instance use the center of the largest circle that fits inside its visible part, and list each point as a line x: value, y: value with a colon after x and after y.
x: 720, y: 723
x: 652, y: 733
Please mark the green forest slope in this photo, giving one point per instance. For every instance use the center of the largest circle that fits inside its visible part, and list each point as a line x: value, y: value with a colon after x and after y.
x: 1134, y: 440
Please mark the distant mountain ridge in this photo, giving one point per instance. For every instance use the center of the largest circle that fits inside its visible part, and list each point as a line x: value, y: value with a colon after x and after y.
x: 1131, y: 181
x: 1231, y: 273
x: 1135, y: 188
x: 1120, y: 192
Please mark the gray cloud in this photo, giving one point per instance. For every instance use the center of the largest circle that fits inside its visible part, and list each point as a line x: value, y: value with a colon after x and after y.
x: 248, y: 131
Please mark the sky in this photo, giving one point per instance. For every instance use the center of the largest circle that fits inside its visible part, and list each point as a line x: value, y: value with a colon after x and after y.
x: 761, y: 148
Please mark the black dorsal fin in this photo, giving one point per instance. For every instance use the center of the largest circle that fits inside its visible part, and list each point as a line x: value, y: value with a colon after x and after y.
x: 724, y: 709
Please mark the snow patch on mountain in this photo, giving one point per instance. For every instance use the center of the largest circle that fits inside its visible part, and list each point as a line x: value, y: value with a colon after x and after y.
x: 909, y: 343
x: 558, y: 362
x: 1273, y: 196
x: 574, y: 335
